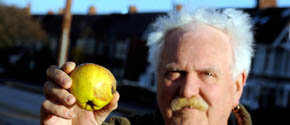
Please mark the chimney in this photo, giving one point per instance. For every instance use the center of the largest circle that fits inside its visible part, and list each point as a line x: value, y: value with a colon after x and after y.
x: 27, y: 8
x: 266, y: 3
x: 132, y: 9
x: 178, y: 7
x: 61, y: 11
x: 92, y: 10
x: 50, y: 12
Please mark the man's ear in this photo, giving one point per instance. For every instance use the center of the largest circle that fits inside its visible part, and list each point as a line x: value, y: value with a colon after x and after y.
x: 239, y: 85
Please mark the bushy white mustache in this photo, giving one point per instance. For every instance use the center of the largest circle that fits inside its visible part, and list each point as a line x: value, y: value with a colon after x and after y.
x: 192, y: 102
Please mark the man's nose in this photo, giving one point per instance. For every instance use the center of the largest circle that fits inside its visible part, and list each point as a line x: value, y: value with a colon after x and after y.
x: 189, y: 86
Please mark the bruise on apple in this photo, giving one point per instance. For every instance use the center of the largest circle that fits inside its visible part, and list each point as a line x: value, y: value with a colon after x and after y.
x: 113, y: 90
x: 91, y: 104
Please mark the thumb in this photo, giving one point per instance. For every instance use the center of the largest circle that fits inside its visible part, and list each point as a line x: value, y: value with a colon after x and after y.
x: 102, y: 114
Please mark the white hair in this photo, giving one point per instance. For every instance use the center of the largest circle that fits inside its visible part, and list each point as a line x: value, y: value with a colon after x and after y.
x: 235, y: 23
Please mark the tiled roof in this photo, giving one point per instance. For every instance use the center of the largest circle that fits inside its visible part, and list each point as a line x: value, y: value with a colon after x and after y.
x: 269, y: 23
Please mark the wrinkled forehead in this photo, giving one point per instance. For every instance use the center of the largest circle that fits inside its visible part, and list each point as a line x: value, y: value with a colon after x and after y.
x: 197, y: 41
x: 199, y: 30
x: 197, y: 33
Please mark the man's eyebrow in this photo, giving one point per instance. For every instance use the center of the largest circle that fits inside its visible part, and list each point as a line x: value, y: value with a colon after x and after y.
x: 172, y: 66
x: 175, y: 67
x: 210, y: 69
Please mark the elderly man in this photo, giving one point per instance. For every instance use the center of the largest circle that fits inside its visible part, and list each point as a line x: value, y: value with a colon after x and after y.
x: 201, y: 58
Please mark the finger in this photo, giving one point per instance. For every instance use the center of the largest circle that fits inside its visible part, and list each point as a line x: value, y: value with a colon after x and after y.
x: 58, y: 76
x: 60, y: 95
x: 44, y: 115
x: 68, y: 67
x: 57, y: 110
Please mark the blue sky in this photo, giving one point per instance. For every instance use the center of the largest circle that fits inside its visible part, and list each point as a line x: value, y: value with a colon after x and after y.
x: 121, y: 6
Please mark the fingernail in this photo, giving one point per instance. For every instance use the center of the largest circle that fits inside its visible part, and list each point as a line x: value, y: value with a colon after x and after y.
x: 70, y: 100
x: 65, y: 81
x: 70, y: 114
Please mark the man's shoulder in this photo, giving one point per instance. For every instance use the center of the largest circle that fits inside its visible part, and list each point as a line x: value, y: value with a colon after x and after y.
x: 117, y: 121
x: 134, y: 119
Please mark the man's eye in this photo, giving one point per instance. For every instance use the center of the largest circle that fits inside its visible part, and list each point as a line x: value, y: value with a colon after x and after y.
x: 209, y: 74
x: 172, y: 75
x: 209, y: 77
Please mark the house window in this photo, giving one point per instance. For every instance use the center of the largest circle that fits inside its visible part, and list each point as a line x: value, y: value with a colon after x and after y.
x: 100, y: 48
x: 259, y: 60
x: 121, y: 50
x: 271, y: 62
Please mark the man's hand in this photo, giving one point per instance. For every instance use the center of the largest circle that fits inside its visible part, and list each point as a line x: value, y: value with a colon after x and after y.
x: 60, y: 106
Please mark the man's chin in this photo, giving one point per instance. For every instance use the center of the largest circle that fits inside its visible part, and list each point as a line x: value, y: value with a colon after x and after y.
x: 189, y: 116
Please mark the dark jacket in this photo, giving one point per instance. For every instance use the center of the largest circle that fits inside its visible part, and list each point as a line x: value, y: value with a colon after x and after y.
x: 241, y: 117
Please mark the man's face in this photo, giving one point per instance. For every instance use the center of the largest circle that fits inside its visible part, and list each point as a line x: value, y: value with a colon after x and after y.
x: 197, y: 61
